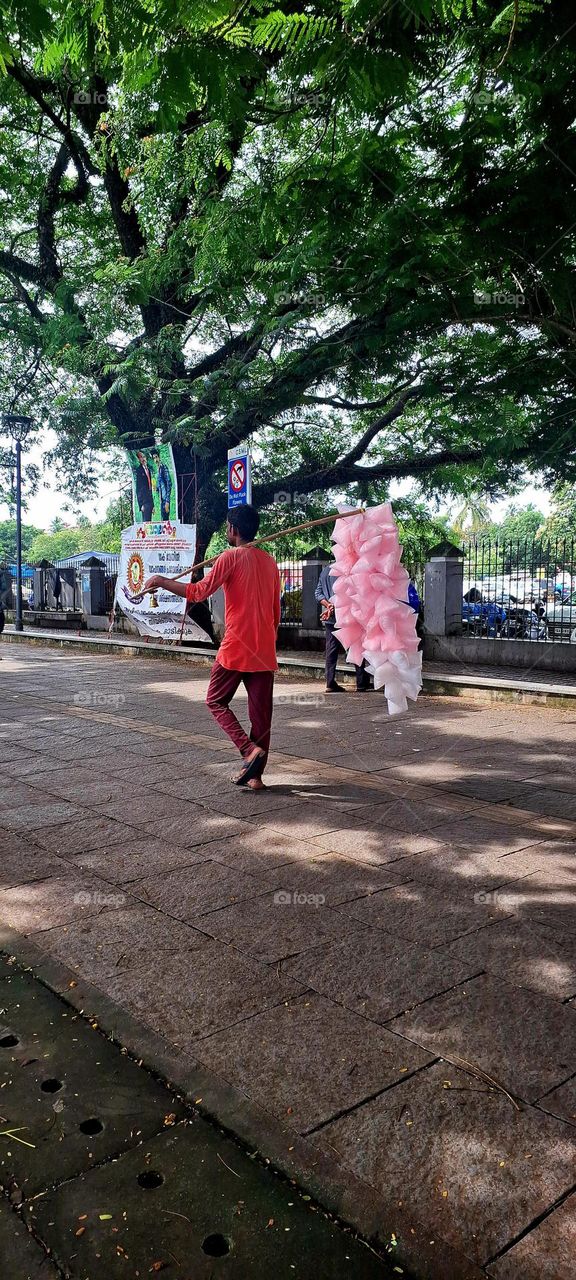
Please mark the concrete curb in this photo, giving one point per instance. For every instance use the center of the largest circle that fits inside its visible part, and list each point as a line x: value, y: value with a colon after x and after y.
x: 333, y: 1186
x: 445, y: 684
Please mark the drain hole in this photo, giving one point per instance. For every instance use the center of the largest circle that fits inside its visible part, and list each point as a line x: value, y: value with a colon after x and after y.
x: 51, y: 1085
x: 8, y: 1041
x: 216, y: 1246
x: 150, y: 1179
x: 91, y: 1126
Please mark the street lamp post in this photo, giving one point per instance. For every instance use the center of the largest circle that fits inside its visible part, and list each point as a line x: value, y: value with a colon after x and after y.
x: 18, y: 426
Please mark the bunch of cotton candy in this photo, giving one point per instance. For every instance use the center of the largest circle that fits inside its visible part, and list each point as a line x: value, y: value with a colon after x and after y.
x: 375, y: 623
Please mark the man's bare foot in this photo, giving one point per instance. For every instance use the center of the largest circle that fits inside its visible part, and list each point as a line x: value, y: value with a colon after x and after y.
x: 256, y: 784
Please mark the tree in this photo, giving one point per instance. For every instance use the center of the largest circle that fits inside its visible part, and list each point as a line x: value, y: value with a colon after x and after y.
x: 343, y: 232
x: 8, y: 540
x: 560, y: 525
x: 54, y: 546
x: 522, y: 524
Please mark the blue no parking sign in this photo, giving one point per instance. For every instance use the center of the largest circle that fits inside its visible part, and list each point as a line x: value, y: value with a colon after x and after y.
x: 239, y: 477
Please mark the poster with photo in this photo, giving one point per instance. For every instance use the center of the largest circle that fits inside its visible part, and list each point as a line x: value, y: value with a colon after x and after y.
x: 165, y: 547
x: 154, y: 486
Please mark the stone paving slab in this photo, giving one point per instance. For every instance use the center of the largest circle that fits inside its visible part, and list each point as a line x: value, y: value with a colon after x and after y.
x: 188, y: 892
x: 378, y: 977
x: 28, y: 1260
x: 336, y: 879
x: 561, y: 1102
x: 271, y: 929
x: 308, y: 1060
x: 459, y: 1157
x: 139, y: 858
x: 523, y: 1040
x: 45, y: 904
x: 466, y: 870
x: 554, y: 860
x: 178, y: 1200
x: 98, y: 795
x: 68, y: 1093
x: 26, y: 764
x: 485, y: 836
x: 523, y: 953
x: 546, y: 1253
x: 136, y: 808
x: 260, y: 851
x: 30, y: 817
x: 421, y: 913
x: 550, y: 802
x: 557, y: 779
x: 537, y: 900
x: 373, y: 844
x: 198, y: 992
x: 378, y: 846
x: 24, y: 863
x: 244, y: 803
x: 92, y: 833
x: 305, y: 822
x: 15, y: 795
x: 194, y: 825
x: 118, y: 940
x: 494, y: 790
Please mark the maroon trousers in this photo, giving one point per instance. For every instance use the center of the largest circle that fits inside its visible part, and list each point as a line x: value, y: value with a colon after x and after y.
x: 259, y: 686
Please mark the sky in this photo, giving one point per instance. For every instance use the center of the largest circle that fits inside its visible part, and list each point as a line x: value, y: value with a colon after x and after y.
x: 48, y: 503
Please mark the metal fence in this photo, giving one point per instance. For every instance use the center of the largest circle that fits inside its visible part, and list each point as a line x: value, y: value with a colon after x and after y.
x: 520, y: 589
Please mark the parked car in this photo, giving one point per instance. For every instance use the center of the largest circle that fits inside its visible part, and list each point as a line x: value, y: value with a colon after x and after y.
x: 561, y: 619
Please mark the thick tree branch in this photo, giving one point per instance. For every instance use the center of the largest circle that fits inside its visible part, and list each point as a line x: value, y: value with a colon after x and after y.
x: 379, y: 424
x: 342, y: 474
x: 36, y: 87
x: 15, y: 267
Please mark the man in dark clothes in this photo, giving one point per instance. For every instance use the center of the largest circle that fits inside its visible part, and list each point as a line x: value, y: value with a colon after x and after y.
x: 143, y: 482
x: 324, y: 593
x: 164, y: 486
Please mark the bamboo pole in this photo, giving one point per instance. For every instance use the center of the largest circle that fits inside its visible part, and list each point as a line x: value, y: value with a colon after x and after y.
x: 280, y: 533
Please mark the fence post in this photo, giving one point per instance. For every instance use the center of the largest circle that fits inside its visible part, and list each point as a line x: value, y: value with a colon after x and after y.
x: 312, y: 565
x: 443, y: 590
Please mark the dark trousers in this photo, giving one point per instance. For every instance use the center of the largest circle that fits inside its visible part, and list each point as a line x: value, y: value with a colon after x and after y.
x: 333, y: 648
x: 259, y: 686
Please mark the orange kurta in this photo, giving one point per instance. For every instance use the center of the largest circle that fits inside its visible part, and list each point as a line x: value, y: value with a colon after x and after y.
x: 251, y: 583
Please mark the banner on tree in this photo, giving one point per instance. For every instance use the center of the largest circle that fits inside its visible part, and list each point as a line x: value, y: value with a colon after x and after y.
x: 166, y: 548
x: 154, y: 487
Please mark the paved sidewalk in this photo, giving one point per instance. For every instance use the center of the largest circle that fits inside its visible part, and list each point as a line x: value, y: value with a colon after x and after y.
x: 107, y: 1174
x: 379, y: 953
x: 472, y: 680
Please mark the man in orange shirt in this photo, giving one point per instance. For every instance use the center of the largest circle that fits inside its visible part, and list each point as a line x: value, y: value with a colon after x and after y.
x: 247, y: 655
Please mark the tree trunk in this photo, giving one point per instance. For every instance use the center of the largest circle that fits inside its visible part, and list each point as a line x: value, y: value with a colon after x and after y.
x: 202, y: 499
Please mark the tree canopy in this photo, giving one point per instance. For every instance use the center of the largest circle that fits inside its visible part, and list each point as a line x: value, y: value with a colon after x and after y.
x: 344, y: 232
